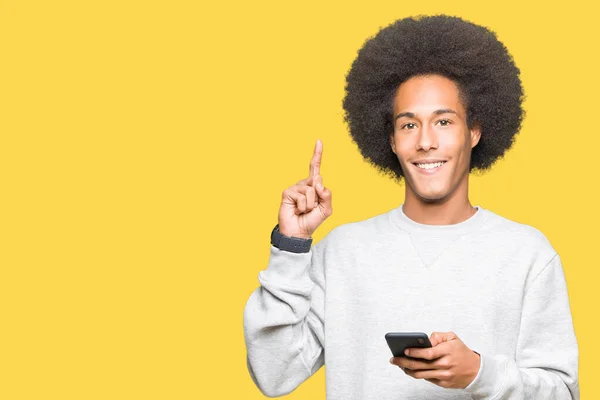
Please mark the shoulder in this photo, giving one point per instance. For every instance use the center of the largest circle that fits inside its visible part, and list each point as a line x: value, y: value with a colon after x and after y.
x: 518, y: 236
x: 514, y: 229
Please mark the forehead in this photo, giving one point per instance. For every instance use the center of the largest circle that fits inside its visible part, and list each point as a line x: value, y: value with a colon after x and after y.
x: 427, y: 93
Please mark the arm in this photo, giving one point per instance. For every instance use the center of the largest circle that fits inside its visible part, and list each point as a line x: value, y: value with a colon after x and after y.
x: 284, y: 322
x: 547, y: 355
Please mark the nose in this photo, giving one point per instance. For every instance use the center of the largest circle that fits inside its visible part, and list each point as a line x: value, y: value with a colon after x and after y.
x: 427, y: 139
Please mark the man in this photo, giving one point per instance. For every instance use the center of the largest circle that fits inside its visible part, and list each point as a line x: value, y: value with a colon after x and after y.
x: 428, y: 100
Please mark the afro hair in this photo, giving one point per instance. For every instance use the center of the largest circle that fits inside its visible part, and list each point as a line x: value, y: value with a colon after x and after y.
x: 468, y: 54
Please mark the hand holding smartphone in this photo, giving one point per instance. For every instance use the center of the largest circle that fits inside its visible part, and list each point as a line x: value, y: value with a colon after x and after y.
x: 400, y: 341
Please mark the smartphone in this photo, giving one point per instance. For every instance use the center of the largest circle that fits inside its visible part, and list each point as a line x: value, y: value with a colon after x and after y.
x: 400, y: 341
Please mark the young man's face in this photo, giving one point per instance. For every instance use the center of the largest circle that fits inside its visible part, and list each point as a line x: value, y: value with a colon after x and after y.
x: 431, y: 125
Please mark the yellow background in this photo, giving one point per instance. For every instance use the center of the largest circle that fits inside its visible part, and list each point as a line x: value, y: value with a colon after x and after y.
x: 144, y: 149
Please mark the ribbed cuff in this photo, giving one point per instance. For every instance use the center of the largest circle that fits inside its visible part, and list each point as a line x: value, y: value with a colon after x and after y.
x: 286, y: 267
x: 490, y: 379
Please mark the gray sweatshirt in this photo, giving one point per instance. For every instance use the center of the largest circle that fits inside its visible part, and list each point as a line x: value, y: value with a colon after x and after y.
x: 497, y: 284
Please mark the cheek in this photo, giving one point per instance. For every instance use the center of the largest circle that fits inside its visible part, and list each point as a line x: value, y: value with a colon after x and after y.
x: 404, y: 149
x: 453, y: 146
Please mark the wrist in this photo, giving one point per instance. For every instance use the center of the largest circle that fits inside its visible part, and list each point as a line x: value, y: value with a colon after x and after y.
x: 285, y: 242
x: 477, y: 365
x: 295, y: 235
x: 287, y: 233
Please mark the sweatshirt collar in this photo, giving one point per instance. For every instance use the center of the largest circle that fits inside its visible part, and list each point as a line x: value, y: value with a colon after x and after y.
x: 467, y: 226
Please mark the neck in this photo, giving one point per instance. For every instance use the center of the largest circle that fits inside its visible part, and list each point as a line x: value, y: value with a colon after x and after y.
x: 448, y: 211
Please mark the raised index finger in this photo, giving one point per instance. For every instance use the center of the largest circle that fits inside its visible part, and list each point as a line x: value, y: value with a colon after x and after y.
x: 315, y: 162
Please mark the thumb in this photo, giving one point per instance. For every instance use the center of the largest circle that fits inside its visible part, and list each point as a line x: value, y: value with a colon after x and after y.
x: 324, y: 193
x: 439, y: 337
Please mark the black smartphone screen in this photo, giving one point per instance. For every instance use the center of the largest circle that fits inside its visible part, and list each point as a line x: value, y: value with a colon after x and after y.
x: 400, y: 341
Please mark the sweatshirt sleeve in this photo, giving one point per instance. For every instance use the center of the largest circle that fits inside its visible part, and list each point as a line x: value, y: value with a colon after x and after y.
x: 284, y: 322
x: 545, y: 365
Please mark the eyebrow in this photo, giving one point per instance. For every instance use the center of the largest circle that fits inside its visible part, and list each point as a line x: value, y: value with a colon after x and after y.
x: 436, y: 112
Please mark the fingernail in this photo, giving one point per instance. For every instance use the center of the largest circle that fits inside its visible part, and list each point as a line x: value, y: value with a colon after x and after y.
x: 406, y: 352
x: 319, y: 186
x: 392, y: 360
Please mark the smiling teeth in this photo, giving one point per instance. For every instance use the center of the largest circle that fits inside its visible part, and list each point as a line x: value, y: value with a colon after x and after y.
x: 429, y: 166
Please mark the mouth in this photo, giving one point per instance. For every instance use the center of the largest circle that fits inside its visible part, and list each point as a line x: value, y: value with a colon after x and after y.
x: 429, y: 168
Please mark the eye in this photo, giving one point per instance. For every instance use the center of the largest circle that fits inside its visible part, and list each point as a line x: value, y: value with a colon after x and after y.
x: 410, y: 125
x: 444, y: 122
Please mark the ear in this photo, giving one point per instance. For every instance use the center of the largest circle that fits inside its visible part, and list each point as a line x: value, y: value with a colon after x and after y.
x: 393, y: 143
x: 475, y: 134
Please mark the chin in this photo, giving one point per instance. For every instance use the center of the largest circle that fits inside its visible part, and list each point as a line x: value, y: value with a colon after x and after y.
x: 431, y: 199
x: 427, y: 196
x: 431, y: 196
